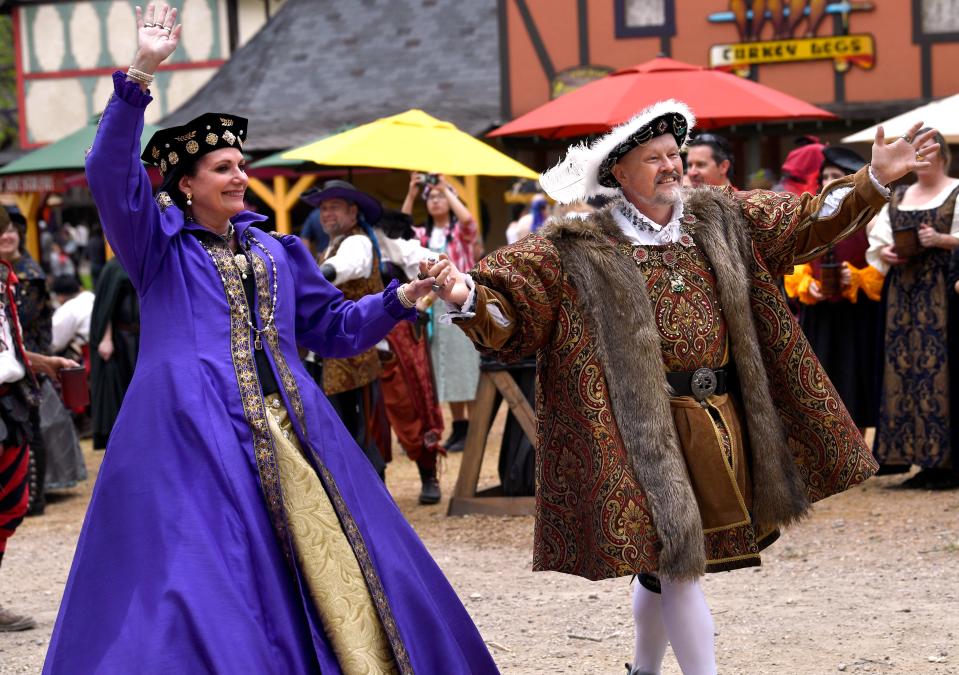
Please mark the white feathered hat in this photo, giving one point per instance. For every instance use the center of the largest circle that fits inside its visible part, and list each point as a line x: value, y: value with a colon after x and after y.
x: 586, y: 170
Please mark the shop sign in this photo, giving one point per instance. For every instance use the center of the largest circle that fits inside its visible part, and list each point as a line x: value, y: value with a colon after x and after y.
x: 31, y: 182
x: 847, y: 49
x: 573, y: 78
x: 791, y: 31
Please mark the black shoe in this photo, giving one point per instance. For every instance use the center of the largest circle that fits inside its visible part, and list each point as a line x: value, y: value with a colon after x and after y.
x: 926, y: 479
x: 430, y: 492
x: 945, y: 479
x: 457, y: 439
x: 890, y: 469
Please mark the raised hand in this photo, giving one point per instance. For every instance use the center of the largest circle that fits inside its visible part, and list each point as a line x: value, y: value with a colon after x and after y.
x: 907, y: 153
x: 157, y: 36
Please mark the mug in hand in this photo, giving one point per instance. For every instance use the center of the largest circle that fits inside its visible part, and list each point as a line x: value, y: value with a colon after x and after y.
x: 905, y: 238
x: 830, y: 274
x: 73, y: 385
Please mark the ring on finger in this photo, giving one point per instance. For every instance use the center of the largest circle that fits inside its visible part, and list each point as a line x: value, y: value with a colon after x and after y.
x: 436, y: 289
x: 919, y: 157
x: 907, y: 138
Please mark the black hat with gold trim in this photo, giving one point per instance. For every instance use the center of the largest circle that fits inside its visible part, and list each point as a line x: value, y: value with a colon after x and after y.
x: 172, y: 151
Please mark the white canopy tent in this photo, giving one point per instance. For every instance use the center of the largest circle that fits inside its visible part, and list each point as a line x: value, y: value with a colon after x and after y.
x: 942, y: 115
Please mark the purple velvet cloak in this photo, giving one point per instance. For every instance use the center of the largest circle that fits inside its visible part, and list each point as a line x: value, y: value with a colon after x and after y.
x: 183, y: 564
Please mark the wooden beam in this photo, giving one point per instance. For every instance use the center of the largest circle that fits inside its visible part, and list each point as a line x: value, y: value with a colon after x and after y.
x: 472, y: 194
x: 263, y: 192
x: 302, y: 184
x: 281, y: 185
x: 481, y: 414
x: 29, y: 204
x: 290, y: 197
x: 282, y: 198
x: 516, y: 399
x: 468, y: 192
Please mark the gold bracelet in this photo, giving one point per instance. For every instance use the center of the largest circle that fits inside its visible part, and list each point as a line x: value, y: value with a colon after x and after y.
x: 405, y: 301
x: 139, y: 76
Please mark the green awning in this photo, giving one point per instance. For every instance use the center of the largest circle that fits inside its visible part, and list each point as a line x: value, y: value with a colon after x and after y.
x: 276, y: 160
x: 67, y: 154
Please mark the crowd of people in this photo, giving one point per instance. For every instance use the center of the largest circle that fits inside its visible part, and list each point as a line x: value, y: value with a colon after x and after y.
x: 706, y: 362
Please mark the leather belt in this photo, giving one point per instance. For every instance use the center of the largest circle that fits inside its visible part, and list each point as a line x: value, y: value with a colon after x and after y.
x: 700, y: 384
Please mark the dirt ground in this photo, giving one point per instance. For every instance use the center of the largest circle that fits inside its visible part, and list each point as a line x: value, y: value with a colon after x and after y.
x: 868, y: 584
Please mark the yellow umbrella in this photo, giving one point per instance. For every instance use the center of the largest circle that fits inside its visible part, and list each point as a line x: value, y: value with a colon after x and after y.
x: 413, y: 141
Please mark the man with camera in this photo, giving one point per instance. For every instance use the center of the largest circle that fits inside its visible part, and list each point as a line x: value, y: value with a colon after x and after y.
x: 384, y: 385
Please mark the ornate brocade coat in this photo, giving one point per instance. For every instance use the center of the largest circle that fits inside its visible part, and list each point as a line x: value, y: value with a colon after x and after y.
x: 613, y: 495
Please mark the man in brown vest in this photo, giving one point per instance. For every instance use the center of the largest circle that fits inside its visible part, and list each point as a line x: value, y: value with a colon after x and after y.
x: 352, y: 264
x: 393, y: 383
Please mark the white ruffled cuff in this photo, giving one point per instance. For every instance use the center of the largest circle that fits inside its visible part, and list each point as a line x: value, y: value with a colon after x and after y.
x: 468, y: 309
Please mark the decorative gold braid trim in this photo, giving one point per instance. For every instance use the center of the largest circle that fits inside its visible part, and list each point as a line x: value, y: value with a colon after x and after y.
x: 353, y: 534
x: 250, y: 392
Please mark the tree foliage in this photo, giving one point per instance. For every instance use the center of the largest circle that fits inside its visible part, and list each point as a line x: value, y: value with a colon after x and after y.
x: 8, y: 84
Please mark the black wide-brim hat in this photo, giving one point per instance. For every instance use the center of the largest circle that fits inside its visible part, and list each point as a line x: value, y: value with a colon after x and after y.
x: 843, y: 158
x: 340, y: 189
x: 175, y: 149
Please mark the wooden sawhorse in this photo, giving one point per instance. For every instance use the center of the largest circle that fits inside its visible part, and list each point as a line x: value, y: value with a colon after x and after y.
x: 491, y: 501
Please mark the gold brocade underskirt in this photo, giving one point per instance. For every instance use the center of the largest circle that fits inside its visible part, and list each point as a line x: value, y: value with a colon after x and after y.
x: 326, y: 560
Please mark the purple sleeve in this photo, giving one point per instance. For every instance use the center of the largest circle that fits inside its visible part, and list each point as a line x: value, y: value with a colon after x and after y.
x: 326, y: 322
x: 132, y: 221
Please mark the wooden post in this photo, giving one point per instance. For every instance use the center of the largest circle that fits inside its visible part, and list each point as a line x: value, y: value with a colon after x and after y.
x: 468, y: 192
x: 263, y: 192
x: 282, y: 198
x: 466, y: 499
x: 292, y: 195
x: 29, y: 204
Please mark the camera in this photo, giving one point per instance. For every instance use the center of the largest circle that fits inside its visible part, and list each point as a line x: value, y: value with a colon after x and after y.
x: 429, y: 179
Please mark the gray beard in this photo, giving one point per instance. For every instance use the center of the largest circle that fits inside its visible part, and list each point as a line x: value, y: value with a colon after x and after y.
x: 668, y: 198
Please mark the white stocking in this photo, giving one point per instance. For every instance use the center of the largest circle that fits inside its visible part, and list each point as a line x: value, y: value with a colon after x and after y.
x: 650, y: 631
x: 689, y: 626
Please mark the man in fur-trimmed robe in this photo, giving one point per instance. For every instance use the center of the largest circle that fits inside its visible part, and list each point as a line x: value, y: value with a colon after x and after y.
x: 682, y: 417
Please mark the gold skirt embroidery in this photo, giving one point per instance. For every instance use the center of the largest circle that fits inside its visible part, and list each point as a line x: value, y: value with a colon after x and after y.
x: 326, y: 560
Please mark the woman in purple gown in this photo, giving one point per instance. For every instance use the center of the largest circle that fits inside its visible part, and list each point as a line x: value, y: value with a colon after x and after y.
x: 235, y: 527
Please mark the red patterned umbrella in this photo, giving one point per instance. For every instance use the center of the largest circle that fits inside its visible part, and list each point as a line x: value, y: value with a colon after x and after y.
x: 718, y: 99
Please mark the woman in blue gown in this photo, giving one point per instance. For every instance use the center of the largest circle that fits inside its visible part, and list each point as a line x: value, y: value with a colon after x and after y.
x: 235, y: 527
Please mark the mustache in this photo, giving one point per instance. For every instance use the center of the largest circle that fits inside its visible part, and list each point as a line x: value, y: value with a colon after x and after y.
x: 667, y: 176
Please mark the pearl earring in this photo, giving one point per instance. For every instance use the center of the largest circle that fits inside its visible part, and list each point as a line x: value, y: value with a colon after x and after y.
x: 189, y: 199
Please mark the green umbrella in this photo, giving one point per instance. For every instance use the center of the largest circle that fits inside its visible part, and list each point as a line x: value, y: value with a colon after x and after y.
x: 276, y: 160
x: 67, y: 154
